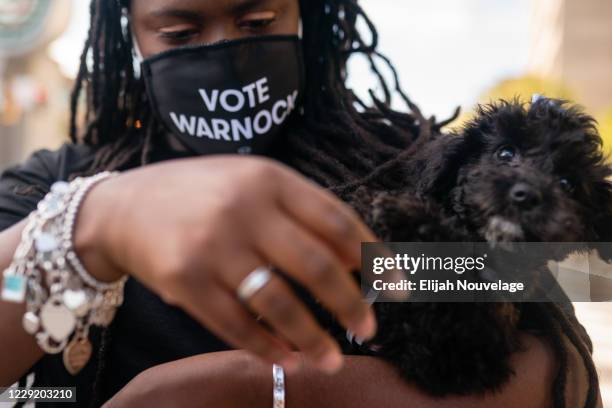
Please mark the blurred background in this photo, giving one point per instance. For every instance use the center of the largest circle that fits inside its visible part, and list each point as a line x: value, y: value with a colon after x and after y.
x: 449, y: 53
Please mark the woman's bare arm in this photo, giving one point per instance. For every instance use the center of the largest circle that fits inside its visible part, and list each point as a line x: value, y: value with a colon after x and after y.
x: 236, y: 379
x: 19, y: 349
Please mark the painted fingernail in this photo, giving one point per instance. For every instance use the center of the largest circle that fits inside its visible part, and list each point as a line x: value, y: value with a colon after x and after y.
x: 331, y: 362
x: 291, y: 364
x: 366, y: 329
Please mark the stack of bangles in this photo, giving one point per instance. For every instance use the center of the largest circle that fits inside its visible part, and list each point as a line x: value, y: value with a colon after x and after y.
x: 62, y: 299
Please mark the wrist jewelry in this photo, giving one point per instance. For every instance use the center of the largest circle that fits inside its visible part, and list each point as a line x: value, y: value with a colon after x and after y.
x: 62, y: 299
x: 278, y: 374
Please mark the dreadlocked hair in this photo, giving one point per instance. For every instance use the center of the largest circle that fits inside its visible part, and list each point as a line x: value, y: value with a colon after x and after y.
x: 557, y: 325
x: 116, y: 119
x: 571, y: 329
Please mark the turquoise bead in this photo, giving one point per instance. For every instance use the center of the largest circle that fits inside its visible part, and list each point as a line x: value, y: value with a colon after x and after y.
x: 13, y: 288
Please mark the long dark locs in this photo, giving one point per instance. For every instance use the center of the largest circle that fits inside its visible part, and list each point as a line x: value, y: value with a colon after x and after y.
x: 340, y: 141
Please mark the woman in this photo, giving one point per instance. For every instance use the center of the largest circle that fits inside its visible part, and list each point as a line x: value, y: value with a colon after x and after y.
x: 193, y: 233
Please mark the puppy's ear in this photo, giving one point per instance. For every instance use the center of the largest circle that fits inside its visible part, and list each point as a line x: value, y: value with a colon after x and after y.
x: 440, y: 161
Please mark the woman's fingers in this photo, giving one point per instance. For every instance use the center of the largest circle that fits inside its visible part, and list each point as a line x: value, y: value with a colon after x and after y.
x: 221, y: 312
x: 306, y: 259
x: 277, y: 304
x: 327, y: 217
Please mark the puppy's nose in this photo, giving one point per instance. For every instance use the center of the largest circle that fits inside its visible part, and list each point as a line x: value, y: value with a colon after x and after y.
x: 524, y: 195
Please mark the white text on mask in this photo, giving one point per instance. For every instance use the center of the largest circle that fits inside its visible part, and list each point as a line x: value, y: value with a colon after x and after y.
x: 232, y: 101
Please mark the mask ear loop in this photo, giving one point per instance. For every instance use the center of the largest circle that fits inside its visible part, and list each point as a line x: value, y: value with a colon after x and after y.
x: 137, y: 57
x: 136, y: 50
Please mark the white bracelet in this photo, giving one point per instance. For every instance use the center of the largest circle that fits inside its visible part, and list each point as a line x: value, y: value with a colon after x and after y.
x: 278, y: 374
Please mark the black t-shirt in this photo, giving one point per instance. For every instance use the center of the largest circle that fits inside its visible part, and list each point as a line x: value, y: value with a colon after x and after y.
x: 145, y: 332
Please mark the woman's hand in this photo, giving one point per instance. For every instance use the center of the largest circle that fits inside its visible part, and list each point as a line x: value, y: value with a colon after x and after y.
x: 192, y: 230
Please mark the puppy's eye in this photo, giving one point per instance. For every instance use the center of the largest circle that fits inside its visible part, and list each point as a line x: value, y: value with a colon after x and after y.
x: 506, y: 153
x: 566, y: 185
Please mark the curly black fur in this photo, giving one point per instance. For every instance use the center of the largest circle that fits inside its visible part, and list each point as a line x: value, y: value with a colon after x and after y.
x: 514, y: 173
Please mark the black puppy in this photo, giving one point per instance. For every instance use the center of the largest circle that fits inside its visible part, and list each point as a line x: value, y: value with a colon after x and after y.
x: 516, y: 172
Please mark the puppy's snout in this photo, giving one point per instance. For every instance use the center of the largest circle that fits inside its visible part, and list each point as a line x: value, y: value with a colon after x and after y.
x: 524, y: 195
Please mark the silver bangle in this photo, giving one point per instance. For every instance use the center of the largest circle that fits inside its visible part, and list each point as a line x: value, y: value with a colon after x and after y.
x: 62, y: 299
x: 278, y: 374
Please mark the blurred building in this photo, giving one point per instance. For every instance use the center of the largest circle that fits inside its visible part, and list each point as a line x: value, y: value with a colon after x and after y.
x: 573, y: 43
x: 33, y: 91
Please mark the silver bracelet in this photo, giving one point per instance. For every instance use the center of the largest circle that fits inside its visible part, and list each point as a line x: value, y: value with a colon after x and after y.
x: 278, y: 374
x: 62, y: 299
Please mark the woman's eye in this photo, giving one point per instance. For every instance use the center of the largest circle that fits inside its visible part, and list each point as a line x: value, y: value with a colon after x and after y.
x: 257, y: 21
x: 506, y: 153
x: 179, y: 35
x: 566, y: 185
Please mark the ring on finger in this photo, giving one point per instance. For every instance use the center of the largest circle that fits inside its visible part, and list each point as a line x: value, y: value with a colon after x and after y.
x: 253, y: 283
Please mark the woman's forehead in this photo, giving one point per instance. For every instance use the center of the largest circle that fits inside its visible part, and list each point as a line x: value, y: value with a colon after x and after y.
x: 165, y: 7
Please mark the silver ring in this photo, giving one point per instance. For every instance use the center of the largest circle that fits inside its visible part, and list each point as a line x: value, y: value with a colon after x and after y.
x: 253, y: 283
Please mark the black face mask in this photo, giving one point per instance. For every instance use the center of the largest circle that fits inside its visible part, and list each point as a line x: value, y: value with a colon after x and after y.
x: 229, y: 97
